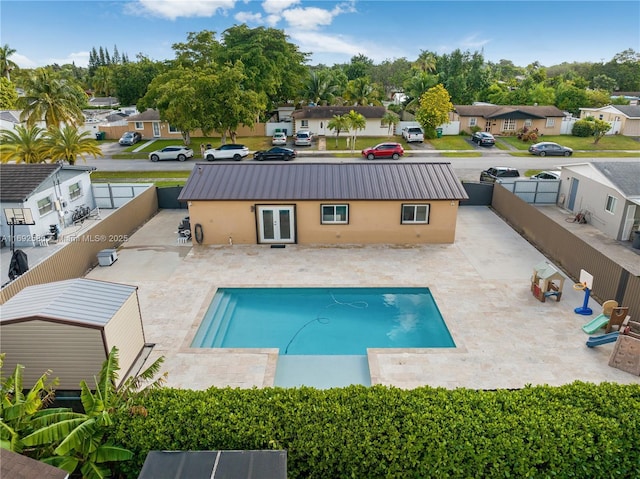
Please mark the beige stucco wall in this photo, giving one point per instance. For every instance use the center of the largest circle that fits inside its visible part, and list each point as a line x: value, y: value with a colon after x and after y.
x: 124, y: 331
x: 370, y: 222
x: 71, y: 352
x: 497, y: 126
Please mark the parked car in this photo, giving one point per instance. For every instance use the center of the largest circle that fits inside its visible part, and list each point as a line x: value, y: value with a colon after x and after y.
x: 279, y: 138
x: 303, y: 138
x: 275, y: 153
x: 384, y: 150
x: 232, y: 151
x: 549, y: 148
x: 411, y: 134
x: 547, y: 175
x: 130, y: 138
x: 483, y: 138
x: 176, y: 152
x: 492, y: 174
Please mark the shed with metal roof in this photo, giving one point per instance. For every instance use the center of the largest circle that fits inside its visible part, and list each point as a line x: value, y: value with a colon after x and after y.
x: 323, y: 203
x: 69, y: 327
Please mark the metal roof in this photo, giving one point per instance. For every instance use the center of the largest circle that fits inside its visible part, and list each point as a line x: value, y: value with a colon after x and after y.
x: 260, y: 464
x: 323, y: 181
x: 83, y: 301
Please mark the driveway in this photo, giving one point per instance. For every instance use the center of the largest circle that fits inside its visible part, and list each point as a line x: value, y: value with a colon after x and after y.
x: 505, y: 337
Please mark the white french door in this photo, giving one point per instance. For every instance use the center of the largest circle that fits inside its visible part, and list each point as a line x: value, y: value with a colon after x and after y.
x: 276, y: 224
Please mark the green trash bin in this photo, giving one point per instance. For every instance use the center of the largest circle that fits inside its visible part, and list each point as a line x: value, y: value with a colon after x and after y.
x: 101, y: 135
x: 439, y: 132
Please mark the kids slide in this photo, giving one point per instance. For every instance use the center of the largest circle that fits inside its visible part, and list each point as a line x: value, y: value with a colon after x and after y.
x: 604, y: 339
x: 595, y: 324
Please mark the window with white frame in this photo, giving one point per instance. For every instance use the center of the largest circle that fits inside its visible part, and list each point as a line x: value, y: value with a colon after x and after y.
x: 415, y: 214
x: 45, y: 206
x: 335, y: 214
x: 528, y: 122
x: 139, y: 125
x: 304, y: 123
x: 75, y: 191
x: 611, y: 204
x: 473, y: 121
x: 551, y: 122
x: 173, y: 129
x: 509, y: 124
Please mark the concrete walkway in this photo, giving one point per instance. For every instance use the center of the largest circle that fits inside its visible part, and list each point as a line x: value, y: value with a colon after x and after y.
x: 505, y: 337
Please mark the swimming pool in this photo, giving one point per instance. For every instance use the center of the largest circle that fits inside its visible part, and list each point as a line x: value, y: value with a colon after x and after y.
x: 323, y: 321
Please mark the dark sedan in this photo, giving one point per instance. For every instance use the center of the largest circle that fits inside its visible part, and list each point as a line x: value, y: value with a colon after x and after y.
x: 483, y: 138
x: 275, y: 153
x: 549, y: 148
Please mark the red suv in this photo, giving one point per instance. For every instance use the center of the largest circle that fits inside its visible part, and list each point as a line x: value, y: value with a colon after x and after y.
x: 384, y: 150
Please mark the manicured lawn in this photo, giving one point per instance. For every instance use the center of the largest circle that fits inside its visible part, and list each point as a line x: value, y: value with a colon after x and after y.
x: 361, y: 143
x: 159, y: 178
x: 453, y: 142
x: 613, y: 142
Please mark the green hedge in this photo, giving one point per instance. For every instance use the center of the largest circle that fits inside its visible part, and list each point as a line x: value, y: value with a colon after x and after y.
x: 579, y: 430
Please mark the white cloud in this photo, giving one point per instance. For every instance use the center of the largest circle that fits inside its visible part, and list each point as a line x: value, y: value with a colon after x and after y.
x: 81, y: 59
x: 472, y: 42
x: 22, y: 61
x: 247, y: 17
x: 310, y: 18
x: 277, y: 6
x: 172, y: 9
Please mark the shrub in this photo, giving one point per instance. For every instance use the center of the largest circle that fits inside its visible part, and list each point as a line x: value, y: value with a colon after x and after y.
x: 583, y: 128
x: 577, y: 430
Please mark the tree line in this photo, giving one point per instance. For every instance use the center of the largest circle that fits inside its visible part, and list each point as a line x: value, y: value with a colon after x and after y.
x: 216, y: 83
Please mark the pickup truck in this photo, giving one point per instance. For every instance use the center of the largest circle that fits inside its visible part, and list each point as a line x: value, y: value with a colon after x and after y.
x: 413, y: 134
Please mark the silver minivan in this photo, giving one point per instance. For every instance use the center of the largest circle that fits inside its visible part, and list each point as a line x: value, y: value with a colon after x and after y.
x: 303, y: 138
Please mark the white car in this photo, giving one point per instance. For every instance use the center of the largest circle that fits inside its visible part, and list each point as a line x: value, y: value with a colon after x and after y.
x: 231, y: 151
x: 413, y: 134
x: 303, y: 138
x: 174, y: 152
x: 279, y: 138
x: 547, y: 175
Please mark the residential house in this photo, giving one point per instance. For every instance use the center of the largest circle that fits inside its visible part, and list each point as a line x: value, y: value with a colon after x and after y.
x: 50, y: 192
x: 316, y: 119
x: 323, y: 203
x: 608, y: 193
x: 507, y: 120
x: 69, y: 327
x: 624, y: 119
x: 9, y: 119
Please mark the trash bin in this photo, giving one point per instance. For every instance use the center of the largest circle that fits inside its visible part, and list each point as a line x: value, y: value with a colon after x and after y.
x: 101, y: 135
x: 107, y: 257
x: 439, y: 132
x: 636, y: 240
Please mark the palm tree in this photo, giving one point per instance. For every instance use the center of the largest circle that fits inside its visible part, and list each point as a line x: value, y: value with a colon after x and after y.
x: 356, y: 122
x: 81, y: 441
x: 415, y: 86
x: 103, y: 80
x: 50, y: 99
x: 67, y: 143
x: 390, y: 119
x: 22, y: 145
x: 6, y: 65
x: 338, y: 123
x: 426, y: 62
x: 320, y: 87
x: 361, y: 91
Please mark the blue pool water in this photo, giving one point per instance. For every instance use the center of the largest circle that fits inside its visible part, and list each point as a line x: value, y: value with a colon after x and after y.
x: 323, y: 321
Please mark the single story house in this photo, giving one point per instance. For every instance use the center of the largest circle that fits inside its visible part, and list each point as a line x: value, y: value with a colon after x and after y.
x: 150, y: 126
x: 70, y: 327
x: 323, y: 203
x: 607, y: 192
x: 624, y: 119
x: 316, y: 119
x: 50, y: 191
x: 9, y: 119
x: 507, y: 120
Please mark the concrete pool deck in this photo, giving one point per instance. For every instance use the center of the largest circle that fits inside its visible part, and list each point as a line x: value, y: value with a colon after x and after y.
x: 505, y: 337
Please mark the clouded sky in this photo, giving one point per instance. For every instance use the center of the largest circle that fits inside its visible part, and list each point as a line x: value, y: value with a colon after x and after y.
x: 46, y: 32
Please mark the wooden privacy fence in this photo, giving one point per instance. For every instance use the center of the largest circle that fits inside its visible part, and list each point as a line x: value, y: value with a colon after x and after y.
x: 79, y: 255
x: 570, y: 252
